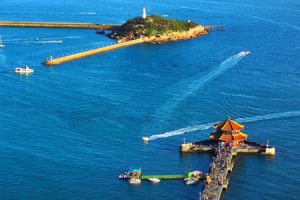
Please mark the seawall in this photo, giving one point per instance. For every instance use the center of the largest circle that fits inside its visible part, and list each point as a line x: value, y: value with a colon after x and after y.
x: 69, y: 58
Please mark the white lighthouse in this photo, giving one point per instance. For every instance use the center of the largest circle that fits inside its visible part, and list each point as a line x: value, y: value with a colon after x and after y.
x: 144, y: 13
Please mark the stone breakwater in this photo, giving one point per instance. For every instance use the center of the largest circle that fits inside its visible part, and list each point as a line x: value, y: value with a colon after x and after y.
x: 180, y: 35
x: 57, y: 61
x: 57, y: 25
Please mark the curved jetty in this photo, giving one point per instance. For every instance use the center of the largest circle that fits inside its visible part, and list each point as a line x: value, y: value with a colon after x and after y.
x: 57, y: 61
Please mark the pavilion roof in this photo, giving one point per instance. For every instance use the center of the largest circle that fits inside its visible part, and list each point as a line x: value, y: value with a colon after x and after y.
x: 228, y: 125
x: 228, y: 137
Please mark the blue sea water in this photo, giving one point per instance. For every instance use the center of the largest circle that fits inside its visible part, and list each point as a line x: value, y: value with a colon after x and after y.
x: 67, y: 132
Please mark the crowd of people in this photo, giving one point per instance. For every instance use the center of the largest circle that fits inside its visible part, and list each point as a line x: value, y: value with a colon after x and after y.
x: 216, y: 178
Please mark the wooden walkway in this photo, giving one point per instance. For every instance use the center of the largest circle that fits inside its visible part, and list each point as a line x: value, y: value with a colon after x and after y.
x: 57, y: 25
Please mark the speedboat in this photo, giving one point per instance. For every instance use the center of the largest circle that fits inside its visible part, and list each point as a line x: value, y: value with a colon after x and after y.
x: 146, y: 139
x: 154, y: 180
x: 244, y: 53
x: 25, y: 70
x: 190, y: 181
x: 134, y: 181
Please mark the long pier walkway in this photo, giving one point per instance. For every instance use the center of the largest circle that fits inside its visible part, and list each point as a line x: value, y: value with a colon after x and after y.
x: 57, y: 61
x: 217, y: 179
x: 57, y: 25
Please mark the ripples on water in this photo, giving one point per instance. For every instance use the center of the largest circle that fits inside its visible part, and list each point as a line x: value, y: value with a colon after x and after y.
x: 68, y: 131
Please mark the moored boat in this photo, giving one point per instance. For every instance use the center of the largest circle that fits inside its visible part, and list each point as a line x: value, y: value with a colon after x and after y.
x: 154, y: 180
x: 124, y: 175
x: 190, y: 181
x: 24, y: 70
x: 134, y: 181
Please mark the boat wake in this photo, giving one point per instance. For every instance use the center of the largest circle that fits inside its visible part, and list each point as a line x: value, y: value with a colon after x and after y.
x: 193, y: 87
x: 277, y: 22
x: 48, y: 13
x: 207, y: 126
x: 35, y: 42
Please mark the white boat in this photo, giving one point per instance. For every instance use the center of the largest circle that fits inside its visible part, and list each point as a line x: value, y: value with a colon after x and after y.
x: 145, y: 139
x: 25, y: 70
x: 190, y: 181
x: 124, y: 175
x: 244, y: 53
x: 154, y: 180
x: 1, y: 43
x: 134, y: 181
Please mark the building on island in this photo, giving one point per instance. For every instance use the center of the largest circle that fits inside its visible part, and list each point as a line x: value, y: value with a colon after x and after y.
x: 229, y: 132
x: 144, y: 13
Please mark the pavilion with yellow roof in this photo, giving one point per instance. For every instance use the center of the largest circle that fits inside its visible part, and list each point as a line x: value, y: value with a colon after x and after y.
x: 229, y: 132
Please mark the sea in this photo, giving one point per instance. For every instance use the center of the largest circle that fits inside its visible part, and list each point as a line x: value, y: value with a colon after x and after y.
x: 67, y: 132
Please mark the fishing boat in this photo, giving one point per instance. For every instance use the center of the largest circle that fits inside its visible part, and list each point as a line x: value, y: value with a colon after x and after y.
x: 154, y: 180
x: 24, y: 70
x: 190, y: 181
x: 134, y: 181
x: 1, y: 43
x: 146, y: 139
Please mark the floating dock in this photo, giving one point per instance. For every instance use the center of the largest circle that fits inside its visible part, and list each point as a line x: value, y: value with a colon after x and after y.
x: 57, y: 61
x: 57, y: 25
x: 164, y: 177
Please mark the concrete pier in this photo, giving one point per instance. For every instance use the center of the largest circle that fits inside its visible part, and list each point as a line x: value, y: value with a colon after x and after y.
x: 57, y: 25
x: 207, y: 146
x: 57, y: 61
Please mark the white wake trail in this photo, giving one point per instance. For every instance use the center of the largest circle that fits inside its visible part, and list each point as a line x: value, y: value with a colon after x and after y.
x: 193, y: 87
x: 207, y: 126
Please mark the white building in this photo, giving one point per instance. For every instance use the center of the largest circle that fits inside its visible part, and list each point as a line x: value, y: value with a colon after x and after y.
x: 144, y: 13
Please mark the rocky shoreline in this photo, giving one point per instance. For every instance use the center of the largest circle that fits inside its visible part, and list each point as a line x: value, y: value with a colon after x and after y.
x: 184, y: 35
x: 173, y: 36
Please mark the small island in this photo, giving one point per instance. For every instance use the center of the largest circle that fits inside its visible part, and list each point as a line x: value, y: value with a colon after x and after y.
x: 157, y: 29
x: 153, y: 29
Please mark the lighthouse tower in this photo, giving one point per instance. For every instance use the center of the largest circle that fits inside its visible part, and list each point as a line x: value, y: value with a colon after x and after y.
x: 144, y: 13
